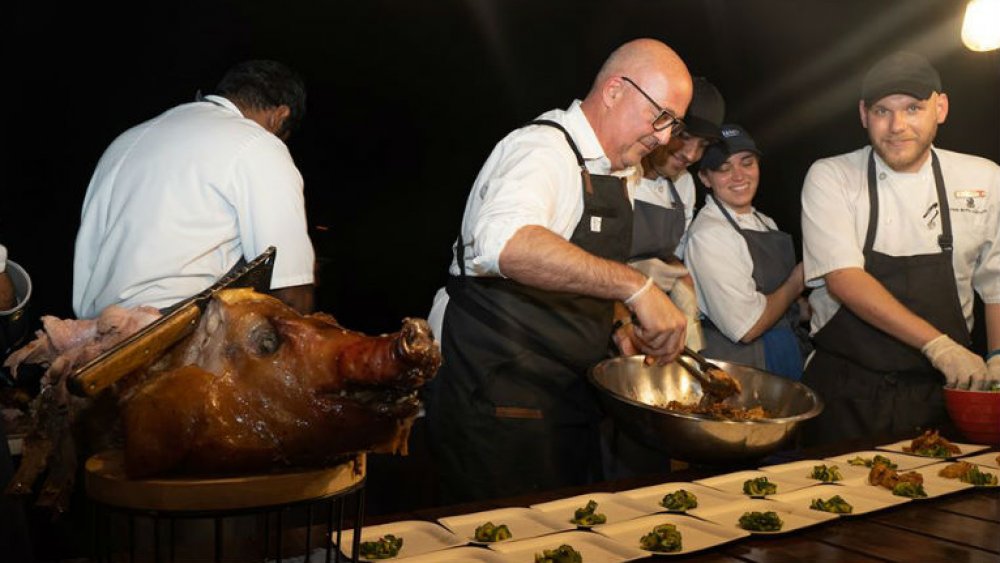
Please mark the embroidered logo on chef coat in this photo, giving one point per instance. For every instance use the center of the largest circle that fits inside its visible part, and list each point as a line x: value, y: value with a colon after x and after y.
x: 595, y: 224
x: 973, y: 200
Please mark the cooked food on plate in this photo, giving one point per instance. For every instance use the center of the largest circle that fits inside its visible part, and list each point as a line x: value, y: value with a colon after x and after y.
x: 826, y: 474
x: 679, y: 500
x: 835, y: 504
x: 870, y: 461
x: 386, y: 547
x: 761, y: 521
x: 663, y: 539
x: 588, y: 516
x: 969, y: 473
x: 759, y: 487
x: 909, y: 484
x: 931, y: 444
x: 490, y: 533
x: 562, y: 554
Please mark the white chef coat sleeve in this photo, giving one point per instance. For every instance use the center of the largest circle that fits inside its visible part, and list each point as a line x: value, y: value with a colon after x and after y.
x: 829, y: 237
x: 722, y: 268
x: 532, y: 185
x: 267, y: 192
x: 986, y: 274
x: 686, y: 189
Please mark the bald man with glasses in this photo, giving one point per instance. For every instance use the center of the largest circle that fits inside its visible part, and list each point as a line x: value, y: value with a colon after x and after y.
x: 537, y: 267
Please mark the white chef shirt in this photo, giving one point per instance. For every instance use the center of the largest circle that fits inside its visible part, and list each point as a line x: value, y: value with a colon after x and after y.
x: 722, y: 268
x: 531, y: 178
x: 175, y: 202
x: 835, y: 213
x: 657, y: 192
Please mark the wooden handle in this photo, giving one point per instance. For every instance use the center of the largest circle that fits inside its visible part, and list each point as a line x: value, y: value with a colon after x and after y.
x: 137, y: 352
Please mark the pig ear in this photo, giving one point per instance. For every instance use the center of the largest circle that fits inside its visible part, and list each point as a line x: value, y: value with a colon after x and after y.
x: 263, y: 339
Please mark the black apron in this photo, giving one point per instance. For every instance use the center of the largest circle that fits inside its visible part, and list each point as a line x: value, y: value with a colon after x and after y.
x: 657, y: 230
x: 511, y: 410
x: 872, y: 383
x: 773, y: 255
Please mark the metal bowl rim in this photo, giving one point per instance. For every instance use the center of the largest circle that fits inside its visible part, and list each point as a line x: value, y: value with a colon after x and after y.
x: 811, y: 413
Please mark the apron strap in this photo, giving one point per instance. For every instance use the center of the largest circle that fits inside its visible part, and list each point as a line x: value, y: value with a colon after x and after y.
x: 675, y: 196
x: 945, y: 239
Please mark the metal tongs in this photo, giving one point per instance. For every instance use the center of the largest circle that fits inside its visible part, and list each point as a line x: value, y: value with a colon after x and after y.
x: 715, y: 381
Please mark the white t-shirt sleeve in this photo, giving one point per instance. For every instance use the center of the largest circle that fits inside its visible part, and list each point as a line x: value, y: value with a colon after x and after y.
x: 722, y: 268
x: 268, y: 196
x: 829, y: 236
x: 531, y: 185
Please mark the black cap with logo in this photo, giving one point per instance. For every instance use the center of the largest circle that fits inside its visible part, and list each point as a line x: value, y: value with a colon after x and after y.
x: 734, y: 139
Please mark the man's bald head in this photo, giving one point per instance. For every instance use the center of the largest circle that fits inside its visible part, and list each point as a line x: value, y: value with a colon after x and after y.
x: 621, y: 114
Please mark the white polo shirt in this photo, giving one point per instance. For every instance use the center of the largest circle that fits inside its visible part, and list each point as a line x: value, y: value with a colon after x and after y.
x: 177, y: 200
x: 835, y: 213
x: 657, y: 192
x: 722, y: 268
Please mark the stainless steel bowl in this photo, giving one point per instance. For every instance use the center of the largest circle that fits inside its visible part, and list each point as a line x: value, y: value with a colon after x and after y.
x: 636, y: 395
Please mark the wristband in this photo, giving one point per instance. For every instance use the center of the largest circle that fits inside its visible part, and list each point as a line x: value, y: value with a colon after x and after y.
x: 645, y: 287
x: 993, y: 353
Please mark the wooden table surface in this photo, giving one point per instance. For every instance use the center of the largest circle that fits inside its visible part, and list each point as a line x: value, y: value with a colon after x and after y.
x: 960, y: 527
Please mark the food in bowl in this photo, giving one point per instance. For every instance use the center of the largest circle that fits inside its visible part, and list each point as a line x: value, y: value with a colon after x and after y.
x: 976, y: 414
x: 719, y: 410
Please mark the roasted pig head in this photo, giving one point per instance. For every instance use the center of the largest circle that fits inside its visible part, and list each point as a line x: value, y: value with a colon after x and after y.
x: 258, y: 387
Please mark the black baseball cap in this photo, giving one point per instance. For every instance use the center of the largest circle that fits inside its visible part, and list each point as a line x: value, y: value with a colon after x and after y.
x: 902, y: 72
x: 706, y: 111
x: 734, y: 139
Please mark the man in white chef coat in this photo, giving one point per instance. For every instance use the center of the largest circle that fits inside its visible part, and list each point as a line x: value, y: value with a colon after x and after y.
x: 897, y: 236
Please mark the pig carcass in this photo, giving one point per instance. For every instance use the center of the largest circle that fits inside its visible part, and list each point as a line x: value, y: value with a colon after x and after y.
x: 259, y: 388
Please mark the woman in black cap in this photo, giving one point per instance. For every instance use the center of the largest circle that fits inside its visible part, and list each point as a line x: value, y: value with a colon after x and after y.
x: 744, y: 267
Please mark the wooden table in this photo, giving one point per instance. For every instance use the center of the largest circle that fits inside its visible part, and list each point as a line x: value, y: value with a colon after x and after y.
x: 961, y: 527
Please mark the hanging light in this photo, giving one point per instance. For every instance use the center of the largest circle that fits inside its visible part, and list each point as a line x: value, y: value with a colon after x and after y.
x: 980, y: 30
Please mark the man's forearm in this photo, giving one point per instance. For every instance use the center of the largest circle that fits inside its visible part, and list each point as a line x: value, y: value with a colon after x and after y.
x: 867, y: 298
x: 992, y: 315
x: 537, y: 257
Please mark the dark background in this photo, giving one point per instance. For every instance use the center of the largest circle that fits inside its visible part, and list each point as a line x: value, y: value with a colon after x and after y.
x: 406, y: 99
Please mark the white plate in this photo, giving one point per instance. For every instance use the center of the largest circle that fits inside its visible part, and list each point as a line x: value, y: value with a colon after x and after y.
x: 861, y: 497
x: 933, y: 470
x: 904, y: 462
x: 852, y: 474
x: 466, y: 554
x: 649, y: 497
x: 696, y: 534
x: 522, y: 522
x: 732, y: 483
x: 793, y: 517
x: 594, y: 548
x: 418, y: 536
x: 987, y: 460
x: 616, y: 508
x: 934, y: 486
x: 966, y: 449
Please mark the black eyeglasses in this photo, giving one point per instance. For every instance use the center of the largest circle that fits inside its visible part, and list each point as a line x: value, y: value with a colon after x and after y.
x: 665, y: 119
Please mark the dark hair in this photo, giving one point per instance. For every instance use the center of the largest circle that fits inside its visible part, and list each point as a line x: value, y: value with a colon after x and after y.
x: 262, y: 84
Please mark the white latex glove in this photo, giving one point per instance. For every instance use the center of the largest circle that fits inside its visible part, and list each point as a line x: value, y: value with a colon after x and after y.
x: 992, y: 372
x: 664, y: 275
x: 684, y: 297
x: 961, y: 368
x: 3, y: 258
